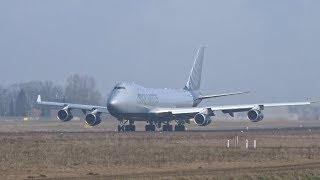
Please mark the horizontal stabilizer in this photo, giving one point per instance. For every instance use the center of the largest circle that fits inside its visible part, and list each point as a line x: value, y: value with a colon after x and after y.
x: 222, y: 95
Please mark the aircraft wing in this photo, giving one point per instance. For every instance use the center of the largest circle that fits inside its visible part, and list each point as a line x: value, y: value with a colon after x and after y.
x: 82, y: 107
x: 230, y: 109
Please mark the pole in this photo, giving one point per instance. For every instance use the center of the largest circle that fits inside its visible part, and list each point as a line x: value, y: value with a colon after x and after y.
x: 237, y: 141
x: 247, y: 144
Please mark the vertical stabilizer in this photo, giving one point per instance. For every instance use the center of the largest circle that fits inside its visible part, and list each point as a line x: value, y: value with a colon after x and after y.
x: 194, y: 80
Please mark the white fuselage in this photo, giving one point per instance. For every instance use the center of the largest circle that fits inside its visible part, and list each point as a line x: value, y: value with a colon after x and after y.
x: 134, y: 100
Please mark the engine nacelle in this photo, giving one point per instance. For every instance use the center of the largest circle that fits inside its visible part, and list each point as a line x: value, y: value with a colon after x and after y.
x: 93, y: 119
x: 255, y: 115
x: 202, y: 119
x: 64, y: 115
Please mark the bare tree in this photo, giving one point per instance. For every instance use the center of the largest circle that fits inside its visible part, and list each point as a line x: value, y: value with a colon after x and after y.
x: 22, y: 104
x: 306, y: 113
x: 48, y: 90
x: 3, y: 97
x: 82, y: 89
x: 19, y: 99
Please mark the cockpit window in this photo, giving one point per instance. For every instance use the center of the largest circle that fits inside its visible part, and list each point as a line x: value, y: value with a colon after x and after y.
x: 119, y: 87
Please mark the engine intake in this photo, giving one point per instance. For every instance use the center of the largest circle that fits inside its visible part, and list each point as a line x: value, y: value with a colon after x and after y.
x: 255, y: 115
x: 64, y: 115
x: 93, y: 119
x: 202, y: 119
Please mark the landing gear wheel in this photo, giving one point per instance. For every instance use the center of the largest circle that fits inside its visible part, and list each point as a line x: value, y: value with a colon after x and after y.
x: 180, y: 128
x: 120, y: 128
x: 167, y: 127
x: 130, y: 128
x: 150, y: 128
x: 159, y: 125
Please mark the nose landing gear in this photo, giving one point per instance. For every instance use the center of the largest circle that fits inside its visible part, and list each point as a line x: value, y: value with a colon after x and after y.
x: 124, y: 127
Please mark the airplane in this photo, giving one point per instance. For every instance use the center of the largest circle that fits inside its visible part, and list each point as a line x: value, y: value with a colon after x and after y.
x: 130, y: 102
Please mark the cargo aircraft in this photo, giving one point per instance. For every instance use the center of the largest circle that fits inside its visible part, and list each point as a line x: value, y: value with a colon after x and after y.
x: 130, y: 102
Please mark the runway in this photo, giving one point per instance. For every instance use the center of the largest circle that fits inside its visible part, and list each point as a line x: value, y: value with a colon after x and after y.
x: 110, y: 125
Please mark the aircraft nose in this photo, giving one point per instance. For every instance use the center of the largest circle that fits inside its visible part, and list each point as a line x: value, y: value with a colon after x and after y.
x: 112, y: 102
x: 113, y: 105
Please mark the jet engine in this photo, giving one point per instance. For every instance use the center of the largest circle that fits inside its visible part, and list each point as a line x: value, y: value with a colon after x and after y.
x: 93, y: 119
x: 64, y: 115
x: 202, y: 119
x: 255, y: 115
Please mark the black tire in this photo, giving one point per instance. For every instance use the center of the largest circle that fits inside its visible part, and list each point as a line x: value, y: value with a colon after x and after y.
x: 127, y: 128
x: 150, y: 128
x: 153, y: 128
x: 133, y: 128
x: 177, y: 128
x: 165, y: 127
x: 159, y: 125
x: 180, y: 128
x: 147, y: 128
x: 130, y: 128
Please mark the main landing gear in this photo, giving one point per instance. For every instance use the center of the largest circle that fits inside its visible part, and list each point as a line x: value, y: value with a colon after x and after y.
x: 169, y: 128
x: 180, y: 128
x: 150, y: 127
x: 127, y: 128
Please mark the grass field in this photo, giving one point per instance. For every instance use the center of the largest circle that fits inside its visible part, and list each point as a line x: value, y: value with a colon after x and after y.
x: 70, y: 152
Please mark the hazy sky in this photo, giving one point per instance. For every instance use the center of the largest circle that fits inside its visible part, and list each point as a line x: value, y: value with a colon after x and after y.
x: 271, y: 48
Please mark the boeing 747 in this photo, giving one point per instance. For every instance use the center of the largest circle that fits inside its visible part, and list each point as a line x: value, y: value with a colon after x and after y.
x: 130, y: 102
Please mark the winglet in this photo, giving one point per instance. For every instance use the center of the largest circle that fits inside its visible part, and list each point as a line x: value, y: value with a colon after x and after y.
x: 39, y: 99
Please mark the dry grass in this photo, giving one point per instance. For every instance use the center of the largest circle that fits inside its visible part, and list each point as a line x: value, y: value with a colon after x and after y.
x: 150, y: 150
x: 140, y: 155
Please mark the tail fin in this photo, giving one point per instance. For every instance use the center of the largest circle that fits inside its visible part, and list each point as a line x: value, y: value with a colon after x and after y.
x: 194, y: 80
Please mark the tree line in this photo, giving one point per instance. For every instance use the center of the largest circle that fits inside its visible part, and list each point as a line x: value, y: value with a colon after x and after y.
x: 20, y: 99
x: 306, y: 113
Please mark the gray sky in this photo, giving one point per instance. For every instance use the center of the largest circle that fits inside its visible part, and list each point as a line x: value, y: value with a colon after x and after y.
x: 268, y: 47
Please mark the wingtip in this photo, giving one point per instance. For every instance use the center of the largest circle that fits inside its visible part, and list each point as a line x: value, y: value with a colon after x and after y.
x: 245, y: 92
x: 313, y: 101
